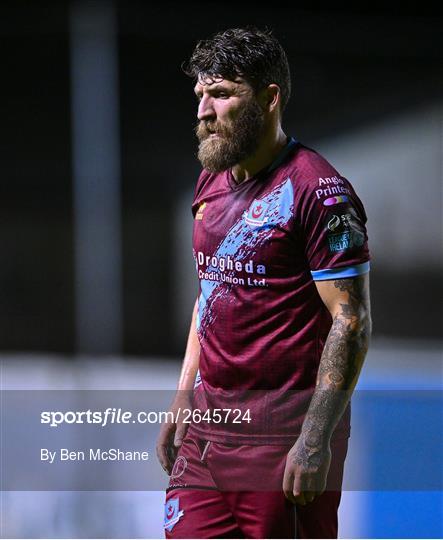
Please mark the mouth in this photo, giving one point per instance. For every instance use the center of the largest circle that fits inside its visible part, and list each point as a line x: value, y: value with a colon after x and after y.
x: 210, y: 136
x: 206, y: 132
x: 211, y: 128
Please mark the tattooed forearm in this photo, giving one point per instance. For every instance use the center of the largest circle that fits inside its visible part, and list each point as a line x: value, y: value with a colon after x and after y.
x: 340, y: 364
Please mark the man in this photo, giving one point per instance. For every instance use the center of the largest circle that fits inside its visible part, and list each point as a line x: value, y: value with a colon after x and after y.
x: 281, y: 324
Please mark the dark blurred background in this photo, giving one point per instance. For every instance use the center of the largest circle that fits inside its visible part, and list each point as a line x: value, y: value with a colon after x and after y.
x: 98, y: 161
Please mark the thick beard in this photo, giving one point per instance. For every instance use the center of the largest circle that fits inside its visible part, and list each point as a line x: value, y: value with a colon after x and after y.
x: 235, y: 142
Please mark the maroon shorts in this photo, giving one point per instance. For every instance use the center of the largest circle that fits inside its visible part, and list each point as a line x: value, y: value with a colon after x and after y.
x: 223, y: 491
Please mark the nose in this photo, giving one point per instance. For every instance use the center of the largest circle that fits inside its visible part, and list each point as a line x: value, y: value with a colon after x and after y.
x: 205, y: 109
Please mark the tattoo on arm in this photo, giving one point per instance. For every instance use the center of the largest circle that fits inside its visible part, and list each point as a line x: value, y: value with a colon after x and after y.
x: 340, y: 365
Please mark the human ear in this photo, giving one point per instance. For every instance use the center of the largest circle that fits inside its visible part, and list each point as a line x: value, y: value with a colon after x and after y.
x: 269, y: 97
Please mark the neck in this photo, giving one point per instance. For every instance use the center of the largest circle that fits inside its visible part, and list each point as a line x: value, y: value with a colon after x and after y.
x: 268, y: 149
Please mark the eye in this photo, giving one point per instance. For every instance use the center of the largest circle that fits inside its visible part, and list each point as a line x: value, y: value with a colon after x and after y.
x: 222, y: 95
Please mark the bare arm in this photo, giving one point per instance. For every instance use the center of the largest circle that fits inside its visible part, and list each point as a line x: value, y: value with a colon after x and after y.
x: 308, y: 461
x: 172, y: 435
x: 192, y: 355
x: 343, y: 354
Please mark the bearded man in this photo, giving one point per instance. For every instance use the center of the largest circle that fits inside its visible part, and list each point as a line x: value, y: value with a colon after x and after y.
x: 281, y: 323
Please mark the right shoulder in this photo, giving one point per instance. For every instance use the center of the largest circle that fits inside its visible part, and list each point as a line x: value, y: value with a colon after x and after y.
x: 203, y: 180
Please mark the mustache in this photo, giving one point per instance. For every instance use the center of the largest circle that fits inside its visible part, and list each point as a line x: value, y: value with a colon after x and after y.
x: 205, y: 128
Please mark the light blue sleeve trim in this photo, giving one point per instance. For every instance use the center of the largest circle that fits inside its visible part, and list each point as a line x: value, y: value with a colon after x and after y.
x: 338, y: 273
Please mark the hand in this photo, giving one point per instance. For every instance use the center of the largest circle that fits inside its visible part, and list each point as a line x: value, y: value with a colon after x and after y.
x: 306, y: 471
x: 172, y: 434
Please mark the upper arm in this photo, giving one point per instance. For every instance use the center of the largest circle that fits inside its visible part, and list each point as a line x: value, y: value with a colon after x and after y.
x: 347, y: 298
x: 331, y: 222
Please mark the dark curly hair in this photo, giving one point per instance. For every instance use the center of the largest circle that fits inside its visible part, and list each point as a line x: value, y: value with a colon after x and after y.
x: 250, y: 53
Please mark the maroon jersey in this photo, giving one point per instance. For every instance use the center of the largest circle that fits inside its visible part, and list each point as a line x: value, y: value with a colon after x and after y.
x: 258, y: 248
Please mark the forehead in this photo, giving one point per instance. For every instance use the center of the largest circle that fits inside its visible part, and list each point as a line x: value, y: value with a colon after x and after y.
x: 210, y: 82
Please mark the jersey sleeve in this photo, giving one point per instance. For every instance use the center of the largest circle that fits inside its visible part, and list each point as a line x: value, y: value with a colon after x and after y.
x: 331, y: 220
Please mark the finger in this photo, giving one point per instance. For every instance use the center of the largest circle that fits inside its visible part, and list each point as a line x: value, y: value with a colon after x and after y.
x: 162, y: 454
x: 164, y: 444
x: 297, y: 486
x: 180, y: 433
x: 298, y: 490
x: 172, y: 454
x: 288, y: 483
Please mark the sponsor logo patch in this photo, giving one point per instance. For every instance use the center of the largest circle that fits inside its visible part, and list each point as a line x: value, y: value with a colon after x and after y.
x: 335, y: 200
x: 199, y: 214
x: 172, y: 513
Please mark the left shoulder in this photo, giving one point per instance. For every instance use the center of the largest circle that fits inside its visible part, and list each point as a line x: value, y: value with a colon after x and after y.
x: 308, y: 164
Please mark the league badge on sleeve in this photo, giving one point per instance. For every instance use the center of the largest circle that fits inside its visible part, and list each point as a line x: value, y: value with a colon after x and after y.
x: 172, y: 513
x: 256, y: 215
x: 344, y: 231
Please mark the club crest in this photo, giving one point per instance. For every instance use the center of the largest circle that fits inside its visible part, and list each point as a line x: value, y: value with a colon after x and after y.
x: 256, y: 215
x: 172, y: 513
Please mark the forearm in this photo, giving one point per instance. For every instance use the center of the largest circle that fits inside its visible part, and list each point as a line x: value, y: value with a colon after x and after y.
x: 172, y: 433
x: 192, y: 356
x: 340, y: 364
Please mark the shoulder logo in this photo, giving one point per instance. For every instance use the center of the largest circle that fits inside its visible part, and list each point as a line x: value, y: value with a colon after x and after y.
x: 344, y: 231
x: 199, y: 214
x: 172, y: 513
x: 335, y: 200
x: 332, y: 190
x: 256, y: 215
